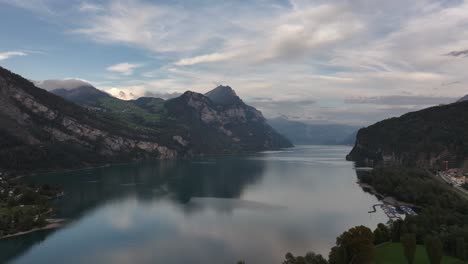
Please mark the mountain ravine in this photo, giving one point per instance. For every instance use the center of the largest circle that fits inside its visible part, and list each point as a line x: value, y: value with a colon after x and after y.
x: 42, y: 131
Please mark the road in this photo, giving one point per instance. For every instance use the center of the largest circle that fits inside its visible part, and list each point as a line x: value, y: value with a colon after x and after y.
x: 459, y: 189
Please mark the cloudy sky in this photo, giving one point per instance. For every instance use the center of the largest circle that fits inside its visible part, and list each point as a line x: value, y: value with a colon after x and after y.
x: 342, y: 61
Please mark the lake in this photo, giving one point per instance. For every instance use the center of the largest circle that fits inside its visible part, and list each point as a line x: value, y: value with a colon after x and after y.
x: 253, y: 208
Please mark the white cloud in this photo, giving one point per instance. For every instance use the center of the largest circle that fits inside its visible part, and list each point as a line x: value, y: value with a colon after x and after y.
x: 89, y: 7
x: 124, y: 68
x: 39, y: 6
x: 213, y: 57
x: 9, y: 54
x: 320, y: 50
x: 132, y: 23
x: 68, y: 84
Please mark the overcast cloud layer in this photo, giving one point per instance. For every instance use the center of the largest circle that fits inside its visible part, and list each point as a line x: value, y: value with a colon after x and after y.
x: 323, y: 61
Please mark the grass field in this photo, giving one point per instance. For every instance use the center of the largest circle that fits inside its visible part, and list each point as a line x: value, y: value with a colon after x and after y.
x: 392, y: 253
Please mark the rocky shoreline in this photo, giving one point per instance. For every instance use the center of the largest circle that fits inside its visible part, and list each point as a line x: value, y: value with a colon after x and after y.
x: 385, y: 199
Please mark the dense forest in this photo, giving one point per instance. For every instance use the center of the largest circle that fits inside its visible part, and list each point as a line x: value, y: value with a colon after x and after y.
x: 424, y: 138
x: 443, y: 212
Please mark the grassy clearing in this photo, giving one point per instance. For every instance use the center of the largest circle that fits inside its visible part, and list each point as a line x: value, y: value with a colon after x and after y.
x: 392, y: 253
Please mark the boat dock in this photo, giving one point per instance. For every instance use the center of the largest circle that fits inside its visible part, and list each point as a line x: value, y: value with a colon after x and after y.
x: 394, y: 213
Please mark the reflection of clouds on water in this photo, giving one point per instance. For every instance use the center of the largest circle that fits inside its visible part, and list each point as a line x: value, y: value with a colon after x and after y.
x: 209, y: 237
x: 254, y: 208
x: 226, y: 204
x: 122, y: 219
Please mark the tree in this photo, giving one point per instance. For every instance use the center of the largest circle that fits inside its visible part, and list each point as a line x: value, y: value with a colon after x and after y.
x: 354, y: 246
x: 409, y: 247
x: 465, y: 185
x: 460, y: 248
x: 337, y: 255
x: 381, y: 234
x: 396, y: 229
x: 309, y: 258
x: 434, y: 249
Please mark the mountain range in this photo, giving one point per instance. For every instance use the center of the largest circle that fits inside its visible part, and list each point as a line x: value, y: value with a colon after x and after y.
x: 302, y: 133
x: 83, y: 126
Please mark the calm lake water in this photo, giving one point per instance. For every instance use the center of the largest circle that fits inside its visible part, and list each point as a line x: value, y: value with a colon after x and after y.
x: 214, y: 210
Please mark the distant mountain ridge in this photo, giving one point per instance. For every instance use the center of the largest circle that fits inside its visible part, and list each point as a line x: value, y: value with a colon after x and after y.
x: 314, y: 134
x: 463, y: 99
x: 38, y: 126
x: 82, y: 94
x: 426, y: 138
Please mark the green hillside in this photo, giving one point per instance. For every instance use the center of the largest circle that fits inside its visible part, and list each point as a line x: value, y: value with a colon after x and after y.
x: 392, y: 253
x: 423, y: 138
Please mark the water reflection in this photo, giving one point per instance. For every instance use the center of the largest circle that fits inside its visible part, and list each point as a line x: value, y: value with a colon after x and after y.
x: 253, y: 208
x: 177, y: 180
x: 87, y: 190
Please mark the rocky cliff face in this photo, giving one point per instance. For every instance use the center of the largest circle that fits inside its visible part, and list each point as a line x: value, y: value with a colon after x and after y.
x: 233, y: 126
x: 40, y: 130
x: 426, y: 138
x: 35, y: 120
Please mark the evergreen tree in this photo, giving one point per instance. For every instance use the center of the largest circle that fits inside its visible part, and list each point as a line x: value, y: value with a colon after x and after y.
x: 460, y: 248
x: 434, y: 249
x: 409, y: 247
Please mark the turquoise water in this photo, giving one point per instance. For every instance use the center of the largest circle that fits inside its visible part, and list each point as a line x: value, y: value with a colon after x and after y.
x: 213, y: 210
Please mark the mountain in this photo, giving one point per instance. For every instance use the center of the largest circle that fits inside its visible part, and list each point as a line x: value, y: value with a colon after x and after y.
x: 78, y: 91
x: 82, y: 94
x: 314, y: 134
x: 233, y: 126
x: 424, y: 138
x: 464, y: 98
x: 42, y: 131
x: 224, y: 95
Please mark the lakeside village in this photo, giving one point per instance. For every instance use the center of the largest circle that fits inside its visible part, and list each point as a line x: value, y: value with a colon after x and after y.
x: 24, y: 208
x: 396, y: 210
x: 454, y: 177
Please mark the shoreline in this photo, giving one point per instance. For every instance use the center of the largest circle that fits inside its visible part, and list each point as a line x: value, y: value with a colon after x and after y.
x: 385, y: 199
x: 109, y: 164
x: 51, y: 224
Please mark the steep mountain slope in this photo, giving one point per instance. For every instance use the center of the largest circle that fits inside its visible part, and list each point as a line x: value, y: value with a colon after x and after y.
x: 243, y: 122
x: 463, y: 99
x: 424, y: 138
x: 217, y: 122
x: 228, y: 126
x: 40, y: 130
x: 318, y: 134
x: 223, y: 95
x: 43, y: 131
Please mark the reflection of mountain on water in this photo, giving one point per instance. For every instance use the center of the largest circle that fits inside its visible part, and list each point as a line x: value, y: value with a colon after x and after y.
x: 176, y: 180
